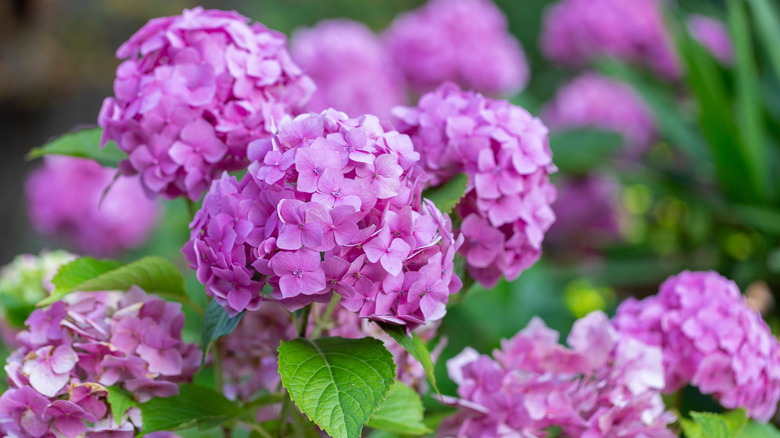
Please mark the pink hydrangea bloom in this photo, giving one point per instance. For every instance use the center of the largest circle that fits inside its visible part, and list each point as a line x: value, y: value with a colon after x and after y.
x: 194, y: 90
x: 505, y: 153
x: 713, y: 35
x: 710, y: 339
x: 587, y: 213
x: 73, y: 350
x: 604, y: 385
x: 64, y: 199
x: 330, y: 204
x: 351, y: 67
x: 465, y: 41
x: 577, y: 31
x: 592, y: 100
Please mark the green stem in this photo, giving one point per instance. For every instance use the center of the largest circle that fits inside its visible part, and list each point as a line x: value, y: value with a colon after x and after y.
x: 324, y: 319
x: 191, y: 208
x: 216, y: 359
x: 259, y: 429
x: 283, y: 416
x: 304, y: 321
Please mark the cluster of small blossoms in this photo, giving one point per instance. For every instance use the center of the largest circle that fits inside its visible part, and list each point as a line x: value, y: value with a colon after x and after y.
x: 710, y: 339
x: 578, y: 31
x: 195, y: 90
x: 465, y: 41
x: 505, y: 153
x: 329, y: 204
x: 593, y: 100
x: 67, y: 197
x: 75, y: 349
x: 606, y: 385
x: 587, y: 213
x: 23, y: 283
x: 713, y: 35
x: 350, y: 66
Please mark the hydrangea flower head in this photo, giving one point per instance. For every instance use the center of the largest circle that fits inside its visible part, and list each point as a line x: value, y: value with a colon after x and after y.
x: 713, y: 35
x: 465, y: 41
x: 351, y: 67
x: 330, y: 204
x: 505, y: 153
x: 65, y: 198
x: 603, y: 385
x: 74, y: 349
x: 193, y: 91
x: 593, y: 100
x: 578, y: 31
x: 711, y: 339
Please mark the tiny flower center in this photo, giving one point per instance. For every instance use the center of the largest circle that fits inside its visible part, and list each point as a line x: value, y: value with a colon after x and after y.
x: 298, y: 272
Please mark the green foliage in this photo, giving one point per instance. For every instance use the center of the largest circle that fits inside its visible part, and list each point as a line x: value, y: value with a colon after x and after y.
x: 415, y: 346
x: 153, y: 274
x: 581, y: 150
x: 401, y: 412
x: 84, y: 143
x: 759, y: 430
x: 195, y: 405
x: 447, y: 195
x: 338, y: 383
x: 710, y: 425
x: 217, y: 323
x: 120, y: 401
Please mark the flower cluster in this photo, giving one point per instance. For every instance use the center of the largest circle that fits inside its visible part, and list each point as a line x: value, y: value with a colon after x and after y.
x: 67, y: 197
x: 592, y: 100
x: 711, y: 339
x: 578, y: 31
x: 587, y: 213
x: 606, y: 385
x: 194, y: 91
x: 350, y: 66
x: 466, y: 41
x: 330, y: 204
x: 24, y: 282
x: 505, y: 152
x: 75, y: 349
x: 713, y: 35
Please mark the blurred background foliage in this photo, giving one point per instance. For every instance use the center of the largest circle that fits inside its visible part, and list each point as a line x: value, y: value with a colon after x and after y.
x: 704, y: 196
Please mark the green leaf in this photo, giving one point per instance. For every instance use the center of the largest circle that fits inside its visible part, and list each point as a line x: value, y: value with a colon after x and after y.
x: 195, y: 404
x: 767, y: 21
x: 580, y: 150
x: 153, y: 274
x: 400, y: 412
x: 415, y: 346
x: 759, y: 430
x: 338, y: 383
x: 446, y: 196
x: 84, y: 143
x: 217, y: 323
x: 710, y: 425
x: 120, y: 401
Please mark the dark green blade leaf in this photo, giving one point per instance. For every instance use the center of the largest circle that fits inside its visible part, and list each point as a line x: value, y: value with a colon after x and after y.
x: 447, y: 195
x: 83, y: 144
x: 338, y: 383
x: 767, y: 21
x: 120, y: 401
x: 580, y: 150
x: 153, y: 274
x: 400, y: 412
x: 196, y: 404
x: 217, y: 323
x: 415, y: 346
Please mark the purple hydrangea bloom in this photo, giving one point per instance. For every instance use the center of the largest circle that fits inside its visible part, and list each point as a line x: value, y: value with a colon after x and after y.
x: 65, y: 198
x: 593, y: 100
x: 587, y: 214
x: 329, y: 204
x: 711, y: 339
x: 605, y: 385
x: 713, y: 35
x: 578, y: 31
x: 351, y: 67
x: 505, y: 153
x: 72, y: 351
x: 465, y: 41
x: 194, y: 90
